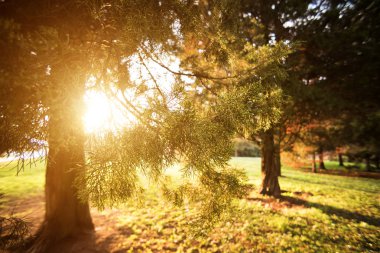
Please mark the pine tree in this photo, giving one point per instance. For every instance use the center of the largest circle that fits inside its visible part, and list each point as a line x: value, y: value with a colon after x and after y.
x: 49, y: 50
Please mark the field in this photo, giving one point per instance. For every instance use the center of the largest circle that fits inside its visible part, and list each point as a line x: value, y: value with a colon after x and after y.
x: 318, y: 213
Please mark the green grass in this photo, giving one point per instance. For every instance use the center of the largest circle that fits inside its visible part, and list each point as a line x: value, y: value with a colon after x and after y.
x: 319, y: 213
x: 29, y: 181
x: 334, y: 165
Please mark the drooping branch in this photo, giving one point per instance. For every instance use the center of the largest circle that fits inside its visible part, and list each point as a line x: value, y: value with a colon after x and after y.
x: 152, y: 77
x: 181, y: 73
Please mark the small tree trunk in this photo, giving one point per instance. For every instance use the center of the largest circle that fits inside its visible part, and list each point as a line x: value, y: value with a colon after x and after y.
x: 314, y: 165
x: 340, y: 157
x: 269, y: 184
x: 321, y: 162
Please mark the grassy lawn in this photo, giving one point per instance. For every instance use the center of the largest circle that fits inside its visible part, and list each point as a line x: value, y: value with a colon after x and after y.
x: 318, y: 213
x: 28, y: 182
x: 334, y: 165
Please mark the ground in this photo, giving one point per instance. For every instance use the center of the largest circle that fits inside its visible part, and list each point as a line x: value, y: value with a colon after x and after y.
x: 318, y: 213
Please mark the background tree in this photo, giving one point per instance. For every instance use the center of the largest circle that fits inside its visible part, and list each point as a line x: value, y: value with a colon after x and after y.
x: 244, y: 65
x: 334, y: 37
x: 342, y: 37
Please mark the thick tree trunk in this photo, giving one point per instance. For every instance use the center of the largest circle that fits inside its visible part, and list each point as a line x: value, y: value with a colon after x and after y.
x: 65, y: 216
x: 314, y: 165
x: 269, y: 184
x: 340, y: 158
x: 321, y: 160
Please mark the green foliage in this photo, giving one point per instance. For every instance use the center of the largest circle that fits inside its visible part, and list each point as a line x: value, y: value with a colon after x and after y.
x: 348, y: 100
x: 198, y: 142
x: 239, y: 84
x: 106, y: 39
x: 209, y: 197
x: 13, y: 232
x: 43, y: 95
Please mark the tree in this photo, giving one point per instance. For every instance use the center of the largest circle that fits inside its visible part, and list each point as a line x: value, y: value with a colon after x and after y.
x: 49, y: 51
x: 341, y: 37
x: 50, y: 112
x: 235, y: 47
x: 274, y: 15
x: 334, y: 38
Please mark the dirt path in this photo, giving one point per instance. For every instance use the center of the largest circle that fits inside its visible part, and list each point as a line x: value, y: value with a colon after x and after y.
x: 107, y: 237
x: 116, y: 230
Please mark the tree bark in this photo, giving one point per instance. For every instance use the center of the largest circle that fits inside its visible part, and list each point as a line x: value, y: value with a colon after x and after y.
x: 340, y: 157
x: 321, y: 162
x: 314, y: 165
x: 66, y: 216
x: 269, y: 184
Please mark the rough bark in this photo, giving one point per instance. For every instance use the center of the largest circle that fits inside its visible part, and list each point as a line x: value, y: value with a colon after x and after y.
x: 65, y: 215
x: 321, y: 160
x: 314, y: 165
x: 340, y: 158
x: 269, y: 184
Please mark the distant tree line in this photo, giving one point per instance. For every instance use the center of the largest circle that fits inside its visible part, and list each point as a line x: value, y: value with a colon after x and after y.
x: 243, y: 148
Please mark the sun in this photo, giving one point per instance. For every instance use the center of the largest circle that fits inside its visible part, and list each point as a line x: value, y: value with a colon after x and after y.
x: 105, y: 113
x: 102, y: 113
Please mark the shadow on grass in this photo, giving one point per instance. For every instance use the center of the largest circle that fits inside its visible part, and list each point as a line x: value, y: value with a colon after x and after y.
x: 330, y: 210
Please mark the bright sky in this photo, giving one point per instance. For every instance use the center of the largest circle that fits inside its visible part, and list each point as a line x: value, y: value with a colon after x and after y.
x: 102, y: 113
x: 105, y: 113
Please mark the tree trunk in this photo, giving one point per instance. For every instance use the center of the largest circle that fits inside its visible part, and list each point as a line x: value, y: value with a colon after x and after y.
x: 269, y: 184
x: 314, y: 165
x: 321, y: 162
x: 65, y: 215
x: 340, y: 157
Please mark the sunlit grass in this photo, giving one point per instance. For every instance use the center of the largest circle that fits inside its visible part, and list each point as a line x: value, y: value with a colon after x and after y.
x: 319, y: 213
x: 334, y: 165
x: 29, y: 181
